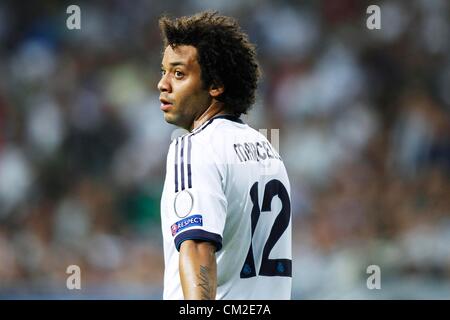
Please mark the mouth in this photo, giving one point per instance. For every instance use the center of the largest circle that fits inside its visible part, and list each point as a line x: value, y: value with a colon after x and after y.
x: 165, y: 104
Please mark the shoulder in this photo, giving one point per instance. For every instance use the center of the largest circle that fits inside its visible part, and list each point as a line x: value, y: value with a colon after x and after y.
x: 212, y: 138
x: 217, y: 131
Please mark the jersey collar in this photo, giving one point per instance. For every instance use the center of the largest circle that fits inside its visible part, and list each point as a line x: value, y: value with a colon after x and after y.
x: 220, y: 116
x: 228, y: 117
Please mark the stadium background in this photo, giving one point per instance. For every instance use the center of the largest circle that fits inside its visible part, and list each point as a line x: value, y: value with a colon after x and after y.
x: 364, y: 131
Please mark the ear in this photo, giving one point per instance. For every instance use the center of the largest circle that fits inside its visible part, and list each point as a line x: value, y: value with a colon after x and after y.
x: 216, y: 90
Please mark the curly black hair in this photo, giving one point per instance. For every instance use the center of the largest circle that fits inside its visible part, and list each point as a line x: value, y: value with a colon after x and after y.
x: 225, y: 55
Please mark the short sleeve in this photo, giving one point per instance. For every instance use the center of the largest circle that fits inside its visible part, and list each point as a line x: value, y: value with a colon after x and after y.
x: 199, y: 203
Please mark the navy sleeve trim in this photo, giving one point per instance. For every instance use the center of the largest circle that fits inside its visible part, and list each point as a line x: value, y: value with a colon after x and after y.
x: 196, y: 234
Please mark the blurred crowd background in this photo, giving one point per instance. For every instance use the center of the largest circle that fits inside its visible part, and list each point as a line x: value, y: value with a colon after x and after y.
x: 364, y: 129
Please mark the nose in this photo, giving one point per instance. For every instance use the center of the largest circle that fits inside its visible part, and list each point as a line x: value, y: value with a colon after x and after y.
x: 163, y: 84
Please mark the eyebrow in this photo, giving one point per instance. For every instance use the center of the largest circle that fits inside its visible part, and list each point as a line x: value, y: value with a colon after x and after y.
x: 176, y: 63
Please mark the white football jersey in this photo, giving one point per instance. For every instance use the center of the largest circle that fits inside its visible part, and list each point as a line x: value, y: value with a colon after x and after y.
x: 226, y: 184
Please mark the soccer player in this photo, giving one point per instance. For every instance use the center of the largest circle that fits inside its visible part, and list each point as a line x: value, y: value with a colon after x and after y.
x: 225, y: 208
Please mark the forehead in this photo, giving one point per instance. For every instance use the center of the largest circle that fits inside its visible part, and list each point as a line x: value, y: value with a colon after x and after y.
x: 186, y: 55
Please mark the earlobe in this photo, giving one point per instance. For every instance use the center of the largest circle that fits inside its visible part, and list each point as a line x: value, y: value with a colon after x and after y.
x: 216, y: 91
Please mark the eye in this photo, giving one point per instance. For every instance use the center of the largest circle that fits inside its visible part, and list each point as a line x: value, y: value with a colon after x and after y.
x: 163, y: 72
x: 178, y: 74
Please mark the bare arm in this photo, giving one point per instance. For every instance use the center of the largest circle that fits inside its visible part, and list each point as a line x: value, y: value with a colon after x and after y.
x: 198, y: 270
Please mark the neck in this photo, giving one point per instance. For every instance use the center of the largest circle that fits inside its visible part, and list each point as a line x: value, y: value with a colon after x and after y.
x: 216, y: 108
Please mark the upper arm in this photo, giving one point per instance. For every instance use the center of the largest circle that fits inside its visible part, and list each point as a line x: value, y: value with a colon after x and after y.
x: 198, y: 269
x: 203, y: 249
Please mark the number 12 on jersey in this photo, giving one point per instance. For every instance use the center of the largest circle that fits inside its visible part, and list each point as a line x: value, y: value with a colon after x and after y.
x: 269, y: 267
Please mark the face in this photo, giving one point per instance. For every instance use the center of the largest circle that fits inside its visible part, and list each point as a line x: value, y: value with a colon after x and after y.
x: 182, y: 95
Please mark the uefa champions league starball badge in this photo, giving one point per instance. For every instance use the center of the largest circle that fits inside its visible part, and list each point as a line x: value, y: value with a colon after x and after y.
x: 183, y: 203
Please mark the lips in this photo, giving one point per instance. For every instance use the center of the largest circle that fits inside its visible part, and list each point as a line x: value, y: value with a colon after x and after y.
x: 165, y: 104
